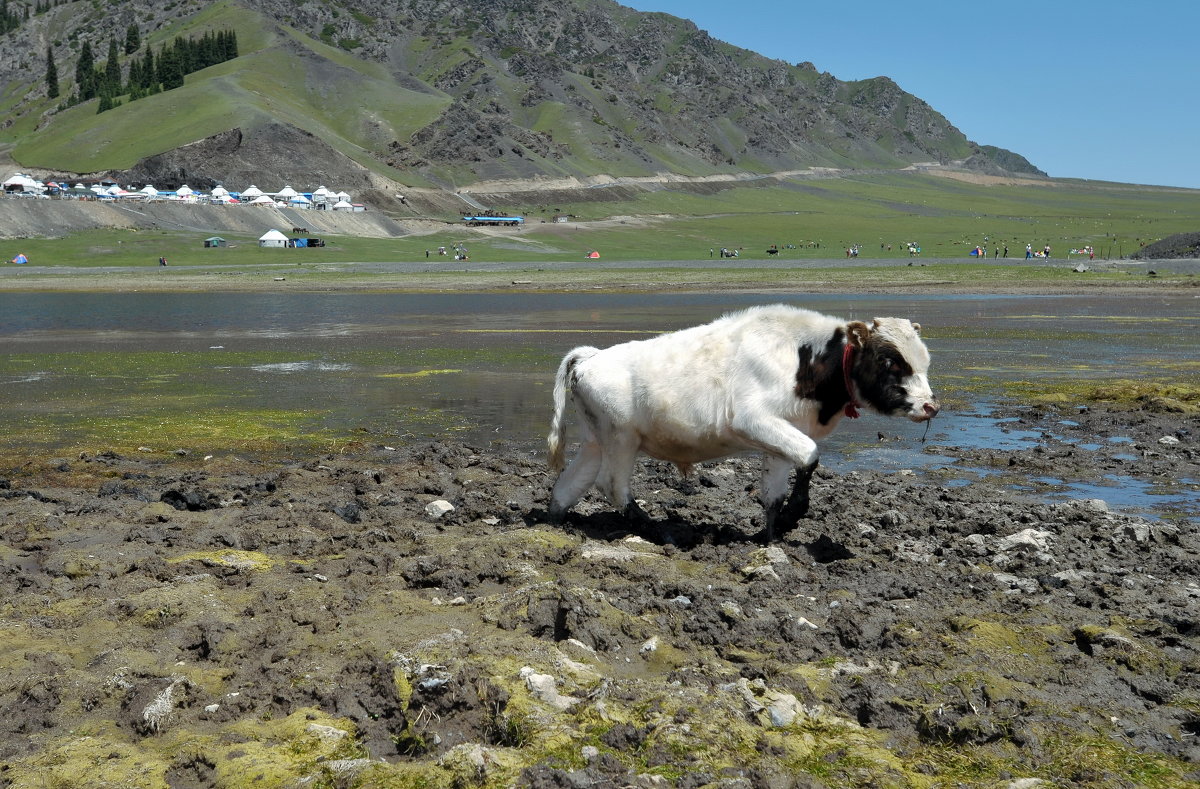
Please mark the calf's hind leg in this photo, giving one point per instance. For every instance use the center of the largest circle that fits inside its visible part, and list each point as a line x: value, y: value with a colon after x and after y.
x: 575, y: 480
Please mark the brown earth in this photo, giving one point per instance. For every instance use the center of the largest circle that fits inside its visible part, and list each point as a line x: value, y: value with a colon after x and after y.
x: 309, y: 620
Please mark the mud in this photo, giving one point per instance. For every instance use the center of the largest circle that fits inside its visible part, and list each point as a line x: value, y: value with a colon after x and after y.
x: 173, y: 621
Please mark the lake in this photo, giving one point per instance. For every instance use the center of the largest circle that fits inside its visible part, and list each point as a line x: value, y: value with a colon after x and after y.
x: 478, y: 367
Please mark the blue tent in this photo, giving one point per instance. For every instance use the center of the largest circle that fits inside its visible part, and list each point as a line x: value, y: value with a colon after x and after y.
x: 20, y: 259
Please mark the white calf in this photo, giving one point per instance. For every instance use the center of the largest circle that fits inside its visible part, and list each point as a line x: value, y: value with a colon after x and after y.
x: 773, y: 379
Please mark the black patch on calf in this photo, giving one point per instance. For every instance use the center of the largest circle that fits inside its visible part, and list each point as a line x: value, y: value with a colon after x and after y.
x: 879, y: 370
x: 819, y: 377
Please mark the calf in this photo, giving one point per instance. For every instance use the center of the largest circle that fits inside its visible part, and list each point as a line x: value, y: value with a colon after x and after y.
x: 772, y: 379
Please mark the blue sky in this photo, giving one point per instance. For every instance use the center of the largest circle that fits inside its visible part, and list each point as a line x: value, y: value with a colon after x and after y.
x: 1104, y: 90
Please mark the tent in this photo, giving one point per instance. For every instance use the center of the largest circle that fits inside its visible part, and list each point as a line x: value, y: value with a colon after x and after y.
x: 20, y: 183
x: 184, y: 190
x: 251, y: 193
x: 300, y: 201
x: 149, y: 191
x: 593, y: 254
x: 219, y: 191
x: 343, y: 205
x: 262, y: 200
x: 272, y: 238
x: 20, y: 259
x: 286, y: 193
x: 342, y: 196
x: 215, y: 241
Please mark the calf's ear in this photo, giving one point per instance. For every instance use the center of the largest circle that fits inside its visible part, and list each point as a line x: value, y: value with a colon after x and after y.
x: 858, y: 333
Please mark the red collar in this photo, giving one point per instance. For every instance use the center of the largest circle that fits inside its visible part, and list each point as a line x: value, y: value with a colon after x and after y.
x: 847, y: 360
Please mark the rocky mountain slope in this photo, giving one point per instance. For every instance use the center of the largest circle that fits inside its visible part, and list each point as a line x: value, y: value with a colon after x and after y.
x: 426, y: 93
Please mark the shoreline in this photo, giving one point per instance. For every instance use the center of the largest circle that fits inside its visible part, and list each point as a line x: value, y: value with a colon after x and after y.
x: 816, y: 276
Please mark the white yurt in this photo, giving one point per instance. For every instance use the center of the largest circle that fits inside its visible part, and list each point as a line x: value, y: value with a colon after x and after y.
x: 321, y: 192
x: 286, y: 193
x: 149, y: 191
x: 20, y: 182
x: 184, y: 191
x: 343, y: 205
x: 251, y: 193
x: 272, y: 238
x: 300, y: 201
x: 219, y: 191
x: 262, y: 200
x: 342, y: 196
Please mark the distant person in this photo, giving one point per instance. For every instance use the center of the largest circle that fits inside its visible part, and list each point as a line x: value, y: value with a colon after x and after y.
x: 427, y: 253
x: 162, y: 261
x: 1029, y: 251
x: 710, y: 252
x: 1006, y: 250
x: 997, y: 254
x: 1046, y: 252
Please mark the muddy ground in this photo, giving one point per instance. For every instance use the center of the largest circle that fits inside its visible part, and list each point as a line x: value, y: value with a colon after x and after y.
x: 171, y: 620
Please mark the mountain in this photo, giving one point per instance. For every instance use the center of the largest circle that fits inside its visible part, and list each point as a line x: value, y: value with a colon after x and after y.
x: 378, y: 94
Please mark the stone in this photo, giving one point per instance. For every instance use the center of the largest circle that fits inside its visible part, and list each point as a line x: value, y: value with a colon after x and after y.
x: 436, y: 509
x: 1029, y: 540
x: 544, y: 688
x: 325, y: 733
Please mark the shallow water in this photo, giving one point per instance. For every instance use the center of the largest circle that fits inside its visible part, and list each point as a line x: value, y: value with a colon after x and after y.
x: 478, y: 367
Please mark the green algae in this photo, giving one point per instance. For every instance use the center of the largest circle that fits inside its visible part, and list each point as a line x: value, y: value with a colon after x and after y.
x: 1179, y: 393
x: 238, y: 560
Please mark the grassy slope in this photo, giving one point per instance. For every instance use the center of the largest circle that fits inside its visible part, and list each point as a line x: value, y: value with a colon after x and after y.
x: 258, y: 87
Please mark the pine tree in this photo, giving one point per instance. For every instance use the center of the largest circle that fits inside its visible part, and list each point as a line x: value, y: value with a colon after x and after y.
x: 112, y: 70
x: 133, y: 39
x: 85, y: 76
x: 170, y: 71
x: 149, y: 69
x: 51, y: 74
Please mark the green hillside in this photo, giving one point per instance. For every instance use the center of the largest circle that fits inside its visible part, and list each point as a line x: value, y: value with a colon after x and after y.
x: 350, y: 104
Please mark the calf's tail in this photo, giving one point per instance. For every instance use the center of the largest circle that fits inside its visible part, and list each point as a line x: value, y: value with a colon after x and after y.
x: 556, y: 441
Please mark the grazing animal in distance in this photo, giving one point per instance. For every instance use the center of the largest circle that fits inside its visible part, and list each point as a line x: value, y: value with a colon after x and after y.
x: 773, y: 379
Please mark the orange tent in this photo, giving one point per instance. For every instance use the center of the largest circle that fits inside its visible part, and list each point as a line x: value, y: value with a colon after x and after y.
x: 593, y: 254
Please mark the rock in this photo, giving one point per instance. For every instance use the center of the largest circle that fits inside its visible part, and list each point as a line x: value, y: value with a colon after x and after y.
x: 772, y: 707
x: 1073, y: 577
x: 436, y: 509
x: 325, y: 733
x: 1027, y: 540
x: 1145, y: 531
x: 470, y: 762
x: 1168, y: 440
x: 544, y: 688
x: 1015, y: 583
x: 770, y: 555
x: 650, y: 646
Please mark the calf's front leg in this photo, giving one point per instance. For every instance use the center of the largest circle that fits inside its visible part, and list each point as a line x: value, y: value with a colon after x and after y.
x: 783, y: 510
